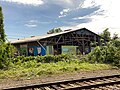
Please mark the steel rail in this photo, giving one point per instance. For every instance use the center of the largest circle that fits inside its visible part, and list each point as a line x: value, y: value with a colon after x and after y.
x: 54, y: 85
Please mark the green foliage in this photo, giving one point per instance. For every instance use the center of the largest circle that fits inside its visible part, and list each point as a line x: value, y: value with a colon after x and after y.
x: 6, y: 52
x: 54, y: 30
x: 2, y: 34
x: 116, y: 43
x: 109, y: 53
x: 93, y: 44
x: 115, y: 36
x: 32, y: 69
x: 105, y: 54
x: 42, y: 59
x: 106, y: 34
x: 35, y: 66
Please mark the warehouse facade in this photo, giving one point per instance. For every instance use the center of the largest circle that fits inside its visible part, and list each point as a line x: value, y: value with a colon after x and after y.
x: 70, y: 41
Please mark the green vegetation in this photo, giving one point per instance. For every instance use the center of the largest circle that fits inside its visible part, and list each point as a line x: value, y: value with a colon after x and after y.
x: 54, y: 30
x: 106, y: 34
x: 6, y: 52
x: 31, y: 68
x: 109, y: 53
x: 2, y: 34
x: 105, y: 54
x: 102, y: 57
x: 6, y: 49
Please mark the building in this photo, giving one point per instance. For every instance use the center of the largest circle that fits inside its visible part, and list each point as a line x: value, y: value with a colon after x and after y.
x: 69, y: 41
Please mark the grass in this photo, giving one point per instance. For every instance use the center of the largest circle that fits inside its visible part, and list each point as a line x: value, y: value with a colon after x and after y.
x: 32, y: 69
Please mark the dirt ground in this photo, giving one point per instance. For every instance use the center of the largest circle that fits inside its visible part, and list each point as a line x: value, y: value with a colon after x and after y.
x: 45, y: 79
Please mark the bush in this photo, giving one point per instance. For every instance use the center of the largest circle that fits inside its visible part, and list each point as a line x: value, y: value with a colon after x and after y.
x: 105, y: 54
x: 42, y: 59
x: 6, y: 52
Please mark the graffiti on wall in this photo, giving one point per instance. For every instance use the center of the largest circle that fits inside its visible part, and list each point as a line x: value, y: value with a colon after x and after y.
x: 39, y: 51
x: 31, y: 51
x: 36, y: 50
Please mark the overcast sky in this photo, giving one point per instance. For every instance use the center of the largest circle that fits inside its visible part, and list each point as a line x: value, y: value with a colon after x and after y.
x: 25, y: 18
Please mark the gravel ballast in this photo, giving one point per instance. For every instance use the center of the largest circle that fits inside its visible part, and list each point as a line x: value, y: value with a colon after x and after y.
x: 6, y: 83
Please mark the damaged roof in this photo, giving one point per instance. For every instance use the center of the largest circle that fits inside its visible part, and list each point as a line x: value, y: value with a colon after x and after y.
x: 37, y: 38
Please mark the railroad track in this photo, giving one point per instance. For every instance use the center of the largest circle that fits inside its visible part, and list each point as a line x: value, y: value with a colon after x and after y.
x: 100, y: 83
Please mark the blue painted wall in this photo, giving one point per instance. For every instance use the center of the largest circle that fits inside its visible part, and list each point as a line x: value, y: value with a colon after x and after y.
x: 34, y: 51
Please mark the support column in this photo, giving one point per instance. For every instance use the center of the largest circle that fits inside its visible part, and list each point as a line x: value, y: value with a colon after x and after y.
x: 83, y: 47
x: 89, y: 46
x: 99, y: 42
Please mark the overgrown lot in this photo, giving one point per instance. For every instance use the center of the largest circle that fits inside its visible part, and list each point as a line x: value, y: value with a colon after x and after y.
x: 31, y: 67
x: 102, y: 57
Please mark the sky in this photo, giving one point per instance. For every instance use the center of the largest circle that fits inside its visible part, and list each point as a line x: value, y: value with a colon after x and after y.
x: 25, y: 18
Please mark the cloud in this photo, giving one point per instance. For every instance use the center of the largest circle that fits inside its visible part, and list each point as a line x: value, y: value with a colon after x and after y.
x: 95, y: 15
x: 64, y: 12
x: 78, y: 18
x: 64, y: 3
x: 90, y: 3
x: 31, y: 23
x: 68, y: 6
x: 106, y: 17
x: 28, y: 2
x: 35, y: 23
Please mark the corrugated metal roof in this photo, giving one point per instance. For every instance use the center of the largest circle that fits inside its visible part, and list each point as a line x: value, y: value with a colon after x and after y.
x: 36, y: 38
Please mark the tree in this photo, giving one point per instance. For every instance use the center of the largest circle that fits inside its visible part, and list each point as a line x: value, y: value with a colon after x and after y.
x: 2, y: 34
x: 115, y: 36
x: 105, y: 54
x: 106, y: 34
x: 54, y: 30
